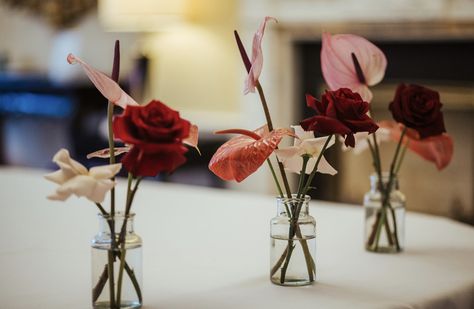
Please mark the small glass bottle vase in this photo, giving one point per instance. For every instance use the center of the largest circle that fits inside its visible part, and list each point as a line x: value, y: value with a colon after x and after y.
x: 293, y: 243
x: 117, y: 264
x: 384, y: 208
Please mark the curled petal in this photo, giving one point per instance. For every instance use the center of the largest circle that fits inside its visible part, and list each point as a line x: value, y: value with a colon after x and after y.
x: 243, y: 155
x: 105, y: 171
x: 257, y: 57
x: 109, y: 89
x: 105, y: 153
x: 73, y: 178
x: 192, y: 139
x: 338, y: 65
x: 69, y: 168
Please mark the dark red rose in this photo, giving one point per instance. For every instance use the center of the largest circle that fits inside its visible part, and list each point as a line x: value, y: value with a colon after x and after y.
x: 156, y: 133
x: 418, y: 108
x: 339, y: 112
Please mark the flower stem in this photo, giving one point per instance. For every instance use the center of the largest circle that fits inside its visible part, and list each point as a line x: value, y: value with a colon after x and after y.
x: 313, y: 173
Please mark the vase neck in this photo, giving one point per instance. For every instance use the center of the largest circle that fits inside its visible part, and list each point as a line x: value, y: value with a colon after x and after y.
x: 375, y: 183
x: 285, y: 204
x: 117, y: 221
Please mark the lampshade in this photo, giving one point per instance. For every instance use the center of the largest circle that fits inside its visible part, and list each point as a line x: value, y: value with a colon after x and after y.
x: 140, y: 15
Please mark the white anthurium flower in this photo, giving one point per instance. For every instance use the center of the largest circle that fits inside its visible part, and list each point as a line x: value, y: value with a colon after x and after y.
x: 305, y: 144
x: 73, y: 178
x: 361, y: 140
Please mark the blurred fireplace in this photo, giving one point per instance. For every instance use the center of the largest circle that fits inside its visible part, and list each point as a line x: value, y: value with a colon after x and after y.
x: 445, y: 65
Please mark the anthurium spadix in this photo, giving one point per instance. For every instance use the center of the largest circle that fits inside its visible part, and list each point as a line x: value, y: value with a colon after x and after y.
x: 351, y: 61
x: 244, y: 154
x: 305, y: 144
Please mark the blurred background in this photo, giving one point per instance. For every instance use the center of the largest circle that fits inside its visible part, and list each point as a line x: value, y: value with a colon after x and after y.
x: 183, y: 53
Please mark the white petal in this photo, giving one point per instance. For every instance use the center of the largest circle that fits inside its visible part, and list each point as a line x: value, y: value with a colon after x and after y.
x: 325, y: 168
x: 105, y: 171
x: 100, y: 190
x: 294, y: 164
x: 286, y: 153
x: 59, y: 196
x: 302, y: 134
x: 80, y: 185
x: 64, y: 160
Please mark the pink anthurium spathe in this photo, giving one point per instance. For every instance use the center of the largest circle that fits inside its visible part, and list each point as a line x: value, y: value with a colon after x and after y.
x: 437, y: 149
x: 305, y: 144
x: 351, y: 61
x: 243, y: 155
x: 109, y: 89
x: 112, y: 91
x: 257, y: 57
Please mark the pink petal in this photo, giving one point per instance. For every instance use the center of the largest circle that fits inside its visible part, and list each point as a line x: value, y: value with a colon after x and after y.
x: 338, y: 67
x: 109, y: 89
x: 257, y: 57
x: 105, y: 153
x: 192, y: 139
x: 241, y: 156
x: 437, y: 149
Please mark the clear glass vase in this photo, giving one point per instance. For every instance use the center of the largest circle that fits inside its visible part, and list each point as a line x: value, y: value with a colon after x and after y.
x: 293, y: 243
x: 384, y: 208
x: 116, y: 263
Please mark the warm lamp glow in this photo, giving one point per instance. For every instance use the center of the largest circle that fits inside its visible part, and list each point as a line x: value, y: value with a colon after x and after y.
x: 140, y: 15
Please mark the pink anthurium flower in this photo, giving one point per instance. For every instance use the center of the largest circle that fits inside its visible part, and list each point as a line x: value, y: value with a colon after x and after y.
x: 109, y: 89
x: 305, y: 144
x: 74, y: 178
x: 351, y: 61
x: 437, y: 149
x: 112, y: 91
x: 257, y: 57
x: 243, y: 155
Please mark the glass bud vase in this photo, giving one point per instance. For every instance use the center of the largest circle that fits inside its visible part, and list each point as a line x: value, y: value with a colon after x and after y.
x: 384, y: 208
x: 116, y: 263
x: 293, y: 243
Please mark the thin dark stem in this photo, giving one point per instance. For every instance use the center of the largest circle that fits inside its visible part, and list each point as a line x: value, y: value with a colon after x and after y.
x: 101, y: 209
x: 311, y: 176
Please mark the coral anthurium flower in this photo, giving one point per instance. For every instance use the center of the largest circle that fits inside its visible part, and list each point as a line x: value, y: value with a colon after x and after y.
x: 74, y: 178
x: 339, y: 112
x: 243, y: 155
x: 257, y: 57
x: 157, y: 133
x: 305, y: 144
x: 437, y: 149
x: 109, y: 89
x: 351, y: 61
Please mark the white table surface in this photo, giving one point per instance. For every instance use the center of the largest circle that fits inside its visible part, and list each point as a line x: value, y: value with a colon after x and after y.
x: 206, y: 248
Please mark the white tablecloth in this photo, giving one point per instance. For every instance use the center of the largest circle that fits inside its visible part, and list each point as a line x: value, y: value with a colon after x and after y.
x: 206, y: 248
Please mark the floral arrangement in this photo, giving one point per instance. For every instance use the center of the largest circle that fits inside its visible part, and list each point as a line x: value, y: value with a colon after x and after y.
x: 154, y: 135
x: 340, y: 112
x: 353, y: 62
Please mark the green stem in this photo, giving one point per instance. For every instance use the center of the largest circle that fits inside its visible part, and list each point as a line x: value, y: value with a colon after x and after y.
x: 294, y: 229
x: 270, y: 128
x: 280, y: 192
x: 313, y: 173
x: 110, y: 268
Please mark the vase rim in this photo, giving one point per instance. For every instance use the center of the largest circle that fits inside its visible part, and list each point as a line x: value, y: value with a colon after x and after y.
x: 117, y: 215
x: 294, y: 197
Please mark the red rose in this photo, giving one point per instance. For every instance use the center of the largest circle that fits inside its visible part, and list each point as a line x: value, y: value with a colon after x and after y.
x: 339, y: 112
x: 418, y: 108
x: 156, y: 133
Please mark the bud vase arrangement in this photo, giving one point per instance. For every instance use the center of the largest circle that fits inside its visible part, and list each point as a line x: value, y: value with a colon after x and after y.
x: 153, y: 138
